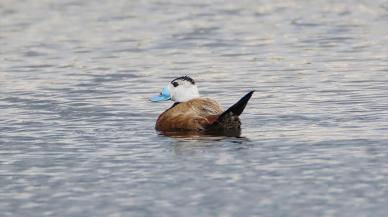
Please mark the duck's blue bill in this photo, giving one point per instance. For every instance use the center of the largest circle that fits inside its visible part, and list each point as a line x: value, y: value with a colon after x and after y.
x: 163, y: 96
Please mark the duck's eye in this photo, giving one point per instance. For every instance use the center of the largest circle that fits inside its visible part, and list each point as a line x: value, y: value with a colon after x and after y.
x: 175, y: 84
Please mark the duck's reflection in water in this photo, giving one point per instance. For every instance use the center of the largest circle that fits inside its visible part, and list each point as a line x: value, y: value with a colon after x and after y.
x: 202, y: 134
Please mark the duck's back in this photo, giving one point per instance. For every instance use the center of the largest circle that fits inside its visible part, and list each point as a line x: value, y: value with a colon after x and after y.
x: 194, y: 114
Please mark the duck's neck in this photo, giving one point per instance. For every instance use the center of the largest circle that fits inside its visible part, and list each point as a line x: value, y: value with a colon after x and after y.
x: 175, y: 104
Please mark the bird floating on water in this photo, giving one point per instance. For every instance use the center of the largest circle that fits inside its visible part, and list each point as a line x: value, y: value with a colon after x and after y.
x: 190, y: 112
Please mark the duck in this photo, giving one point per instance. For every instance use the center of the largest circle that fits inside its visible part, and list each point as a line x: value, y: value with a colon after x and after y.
x: 191, y: 112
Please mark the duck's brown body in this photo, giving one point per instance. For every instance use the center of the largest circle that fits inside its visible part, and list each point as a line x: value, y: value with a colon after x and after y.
x: 203, y: 114
x: 196, y: 114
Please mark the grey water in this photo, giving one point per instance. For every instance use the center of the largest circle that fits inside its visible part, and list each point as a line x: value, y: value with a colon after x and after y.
x: 77, y: 131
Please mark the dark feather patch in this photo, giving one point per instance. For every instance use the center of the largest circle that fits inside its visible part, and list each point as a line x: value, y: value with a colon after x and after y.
x: 185, y: 78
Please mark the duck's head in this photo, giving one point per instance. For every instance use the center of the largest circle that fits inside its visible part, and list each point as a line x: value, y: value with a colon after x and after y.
x: 180, y: 89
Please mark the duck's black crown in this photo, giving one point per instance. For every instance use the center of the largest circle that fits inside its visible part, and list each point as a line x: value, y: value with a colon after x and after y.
x: 185, y: 78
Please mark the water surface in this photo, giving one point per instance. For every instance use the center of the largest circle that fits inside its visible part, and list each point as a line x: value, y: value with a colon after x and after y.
x: 77, y: 132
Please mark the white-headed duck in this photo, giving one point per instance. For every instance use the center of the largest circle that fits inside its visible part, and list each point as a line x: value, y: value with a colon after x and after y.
x: 190, y: 112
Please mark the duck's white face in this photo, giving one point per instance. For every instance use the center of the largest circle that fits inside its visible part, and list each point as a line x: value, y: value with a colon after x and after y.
x: 183, y: 89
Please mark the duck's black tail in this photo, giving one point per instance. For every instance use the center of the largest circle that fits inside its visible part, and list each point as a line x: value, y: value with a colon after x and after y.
x: 229, y: 119
x: 238, y: 107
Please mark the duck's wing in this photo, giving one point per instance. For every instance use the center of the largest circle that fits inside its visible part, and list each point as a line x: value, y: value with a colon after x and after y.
x: 205, y: 107
x: 195, y: 114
